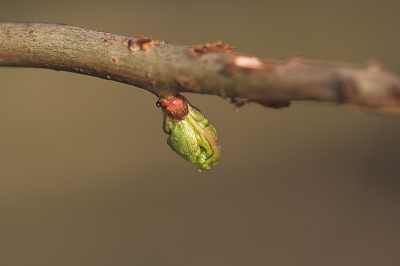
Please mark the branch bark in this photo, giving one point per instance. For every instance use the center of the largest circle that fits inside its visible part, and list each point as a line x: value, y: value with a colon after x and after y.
x: 166, y: 69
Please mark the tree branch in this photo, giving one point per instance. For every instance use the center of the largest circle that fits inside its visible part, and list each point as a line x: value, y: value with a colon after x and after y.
x: 167, y: 70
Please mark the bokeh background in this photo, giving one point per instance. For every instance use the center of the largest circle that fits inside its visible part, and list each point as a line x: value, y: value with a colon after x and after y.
x: 86, y: 176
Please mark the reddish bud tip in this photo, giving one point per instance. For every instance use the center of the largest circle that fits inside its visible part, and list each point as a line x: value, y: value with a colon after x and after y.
x: 176, y: 106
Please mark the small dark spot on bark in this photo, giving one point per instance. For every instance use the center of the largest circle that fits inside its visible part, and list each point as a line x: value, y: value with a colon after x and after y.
x: 109, y: 39
x: 216, y: 46
x: 114, y: 59
x: 31, y: 33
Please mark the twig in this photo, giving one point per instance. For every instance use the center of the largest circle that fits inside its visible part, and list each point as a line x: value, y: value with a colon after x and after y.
x: 166, y: 69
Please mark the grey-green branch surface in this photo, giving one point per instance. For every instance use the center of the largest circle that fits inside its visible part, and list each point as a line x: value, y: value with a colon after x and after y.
x: 166, y: 69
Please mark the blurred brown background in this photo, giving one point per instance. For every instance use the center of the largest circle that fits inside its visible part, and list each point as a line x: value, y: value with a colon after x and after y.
x: 87, y: 179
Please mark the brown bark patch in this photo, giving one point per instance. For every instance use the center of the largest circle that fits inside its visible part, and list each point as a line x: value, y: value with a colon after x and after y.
x: 143, y: 43
x: 140, y: 43
x: 187, y: 84
x: 216, y: 46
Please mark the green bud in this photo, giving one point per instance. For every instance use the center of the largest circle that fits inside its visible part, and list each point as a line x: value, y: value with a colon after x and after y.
x: 190, y: 135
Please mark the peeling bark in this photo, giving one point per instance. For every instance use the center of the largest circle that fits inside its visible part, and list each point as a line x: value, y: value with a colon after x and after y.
x: 167, y: 70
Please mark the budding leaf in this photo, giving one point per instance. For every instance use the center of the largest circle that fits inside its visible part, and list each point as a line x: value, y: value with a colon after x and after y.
x: 190, y: 135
